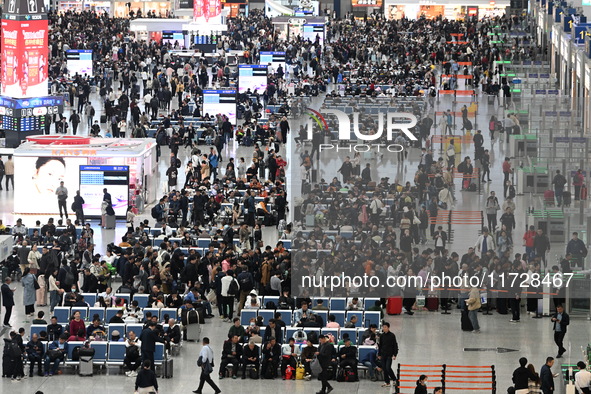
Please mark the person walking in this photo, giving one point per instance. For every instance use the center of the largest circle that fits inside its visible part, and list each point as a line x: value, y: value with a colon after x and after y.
x: 561, y: 321
x: 558, y: 181
x: 75, y: 120
x: 62, y: 195
x: 577, y: 249
x: 149, y: 337
x: 387, y: 352
x: 2, y: 171
x: 547, y: 377
x: 492, y: 206
x: 9, y: 171
x: 7, y: 300
x: 205, y: 361
x: 324, y: 355
x: 146, y: 381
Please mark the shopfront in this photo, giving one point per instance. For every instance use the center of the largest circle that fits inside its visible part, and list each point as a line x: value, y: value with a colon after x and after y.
x: 78, y: 6
x: 123, y: 8
x: 453, y: 10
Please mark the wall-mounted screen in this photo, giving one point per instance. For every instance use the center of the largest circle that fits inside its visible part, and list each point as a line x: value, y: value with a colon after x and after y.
x: 220, y: 102
x: 253, y: 77
x: 93, y: 179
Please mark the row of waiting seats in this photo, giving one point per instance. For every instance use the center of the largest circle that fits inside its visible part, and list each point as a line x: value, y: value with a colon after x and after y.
x: 332, y: 303
x: 108, y: 352
x: 122, y: 329
x: 364, y: 319
x: 63, y: 313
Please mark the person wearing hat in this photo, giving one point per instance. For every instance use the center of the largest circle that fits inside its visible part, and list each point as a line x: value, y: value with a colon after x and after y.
x: 324, y: 355
x: 348, y: 357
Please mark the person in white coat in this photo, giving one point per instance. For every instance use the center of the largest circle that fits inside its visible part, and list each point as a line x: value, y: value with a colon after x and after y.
x: 485, y: 242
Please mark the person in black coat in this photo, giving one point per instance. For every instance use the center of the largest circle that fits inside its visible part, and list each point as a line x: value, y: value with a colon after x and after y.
x: 250, y: 356
x: 7, y: 300
x: 149, y: 337
x: 348, y: 356
x: 387, y: 352
x: 561, y: 321
x: 522, y: 375
x: 271, y: 353
x: 547, y: 377
x: 421, y: 385
x: 36, y: 354
x: 146, y: 377
x: 90, y: 282
x: 172, y: 333
x: 274, y: 331
x: 325, y: 355
x: 231, y: 354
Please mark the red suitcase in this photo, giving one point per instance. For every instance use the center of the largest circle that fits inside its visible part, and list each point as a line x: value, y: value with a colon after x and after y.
x: 583, y: 192
x: 549, y: 197
x: 432, y: 303
x: 394, y: 306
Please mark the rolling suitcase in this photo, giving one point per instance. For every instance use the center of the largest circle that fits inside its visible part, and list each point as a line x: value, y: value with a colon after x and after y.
x: 549, y: 197
x: 110, y: 221
x: 432, y: 303
x: 167, y: 367
x: 85, y: 366
x: 394, y: 306
x: 566, y: 199
x: 193, y: 326
x: 466, y: 323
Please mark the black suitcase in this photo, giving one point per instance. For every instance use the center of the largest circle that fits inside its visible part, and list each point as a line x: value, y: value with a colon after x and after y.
x: 566, y: 199
x: 502, y: 306
x: 103, y: 118
x: 168, y: 367
x: 466, y: 323
x: 7, y: 366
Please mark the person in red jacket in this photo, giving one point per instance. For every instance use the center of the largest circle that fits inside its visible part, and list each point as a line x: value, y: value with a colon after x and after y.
x: 528, y: 242
x: 77, y: 324
x: 578, y: 180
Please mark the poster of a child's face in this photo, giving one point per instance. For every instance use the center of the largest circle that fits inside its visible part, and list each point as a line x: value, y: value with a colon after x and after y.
x: 37, y: 178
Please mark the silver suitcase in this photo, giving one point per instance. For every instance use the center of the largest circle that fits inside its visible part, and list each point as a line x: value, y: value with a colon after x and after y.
x: 193, y: 332
x: 85, y: 367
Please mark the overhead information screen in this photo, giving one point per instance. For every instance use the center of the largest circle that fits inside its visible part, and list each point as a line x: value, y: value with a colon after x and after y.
x: 93, y: 179
x: 275, y: 58
x: 220, y: 102
x: 79, y: 61
x: 253, y: 77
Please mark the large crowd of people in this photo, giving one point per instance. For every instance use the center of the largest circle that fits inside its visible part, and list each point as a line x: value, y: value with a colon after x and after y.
x: 143, y: 87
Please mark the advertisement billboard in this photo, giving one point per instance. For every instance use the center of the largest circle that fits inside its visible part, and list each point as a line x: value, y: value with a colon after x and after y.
x: 220, y: 102
x: 24, y: 57
x: 37, y: 178
x: 207, y: 11
x: 366, y: 3
x: 253, y: 77
x: 93, y: 179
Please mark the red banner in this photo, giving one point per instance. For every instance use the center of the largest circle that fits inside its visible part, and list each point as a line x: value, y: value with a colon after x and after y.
x: 207, y: 11
x: 24, y: 58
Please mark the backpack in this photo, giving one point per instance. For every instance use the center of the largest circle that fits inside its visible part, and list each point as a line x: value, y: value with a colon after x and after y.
x: 472, y: 187
x: 76, y: 354
x: 154, y: 212
x: 233, y: 288
x: 15, y: 350
x: 313, y: 337
x: 69, y: 279
x: 270, y: 305
x: 246, y: 283
x: 281, y: 226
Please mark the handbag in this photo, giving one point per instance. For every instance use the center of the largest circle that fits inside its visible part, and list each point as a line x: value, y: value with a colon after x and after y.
x: 300, y: 372
x: 207, y: 368
x: 54, y: 354
x: 315, y: 367
x: 36, y: 284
